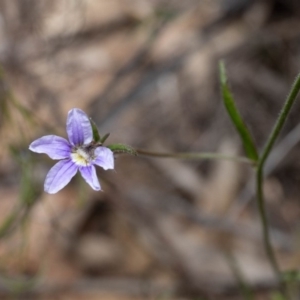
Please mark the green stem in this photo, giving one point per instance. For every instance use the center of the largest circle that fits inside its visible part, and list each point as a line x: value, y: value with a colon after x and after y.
x: 259, y: 172
x: 264, y: 221
x: 195, y: 155
x: 280, y: 121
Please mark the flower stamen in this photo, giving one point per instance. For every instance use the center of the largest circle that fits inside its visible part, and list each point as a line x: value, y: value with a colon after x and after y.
x: 81, y: 157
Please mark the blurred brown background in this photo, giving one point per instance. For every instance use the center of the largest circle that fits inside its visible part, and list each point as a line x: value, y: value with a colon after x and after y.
x: 147, y: 72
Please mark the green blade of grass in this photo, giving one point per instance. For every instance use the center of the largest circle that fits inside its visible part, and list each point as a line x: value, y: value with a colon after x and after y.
x: 234, y: 114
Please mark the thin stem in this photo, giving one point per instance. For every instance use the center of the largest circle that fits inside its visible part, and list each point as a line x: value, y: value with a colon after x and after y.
x: 264, y: 221
x: 195, y: 156
x: 280, y: 122
x: 259, y: 172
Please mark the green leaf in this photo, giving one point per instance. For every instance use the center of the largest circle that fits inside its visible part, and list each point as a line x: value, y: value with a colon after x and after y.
x: 234, y: 114
x: 121, y: 148
x: 96, y: 135
x: 105, y: 138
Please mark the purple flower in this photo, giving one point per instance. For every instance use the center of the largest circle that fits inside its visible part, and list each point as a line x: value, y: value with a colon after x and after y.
x: 81, y: 153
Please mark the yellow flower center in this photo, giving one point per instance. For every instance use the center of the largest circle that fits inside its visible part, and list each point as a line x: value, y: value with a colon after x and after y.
x: 81, y: 157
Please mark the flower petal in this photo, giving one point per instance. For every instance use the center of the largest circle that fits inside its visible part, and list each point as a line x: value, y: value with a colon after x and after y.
x: 54, y: 146
x: 79, y: 128
x: 104, y: 158
x: 59, y: 176
x: 90, y: 176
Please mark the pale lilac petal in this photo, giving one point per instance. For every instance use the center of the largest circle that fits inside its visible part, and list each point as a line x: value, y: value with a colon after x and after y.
x: 104, y: 158
x: 54, y: 146
x: 59, y: 176
x: 90, y: 176
x: 79, y: 128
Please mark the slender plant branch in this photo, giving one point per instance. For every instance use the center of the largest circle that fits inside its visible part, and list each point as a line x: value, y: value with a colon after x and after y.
x: 280, y: 121
x: 260, y: 168
x: 195, y: 156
